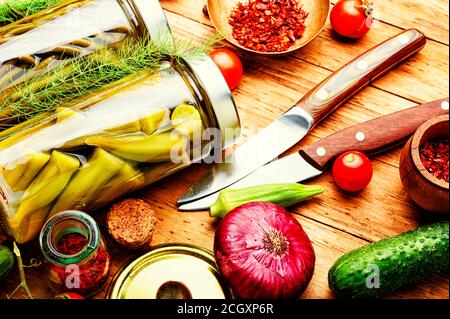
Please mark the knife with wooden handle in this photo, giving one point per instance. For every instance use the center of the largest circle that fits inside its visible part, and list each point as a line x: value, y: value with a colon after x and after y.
x: 317, y: 104
x: 370, y: 138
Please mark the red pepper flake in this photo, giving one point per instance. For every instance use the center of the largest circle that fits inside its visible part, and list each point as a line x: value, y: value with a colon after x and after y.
x: 93, y: 272
x: 268, y: 25
x: 71, y: 244
x: 434, y: 156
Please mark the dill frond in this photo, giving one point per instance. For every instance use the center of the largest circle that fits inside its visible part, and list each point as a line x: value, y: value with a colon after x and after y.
x: 13, y: 10
x: 78, y: 77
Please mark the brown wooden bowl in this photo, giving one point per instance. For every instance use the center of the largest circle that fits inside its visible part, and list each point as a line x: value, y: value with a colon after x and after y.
x: 427, y: 191
x: 219, y: 11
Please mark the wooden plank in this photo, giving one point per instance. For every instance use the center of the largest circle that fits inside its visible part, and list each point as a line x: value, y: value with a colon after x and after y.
x: 335, y: 222
x: 429, y: 16
x: 329, y: 244
x: 427, y: 70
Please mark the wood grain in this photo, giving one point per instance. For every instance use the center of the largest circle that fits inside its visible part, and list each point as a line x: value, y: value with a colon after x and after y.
x: 430, y: 16
x: 336, y: 222
x: 427, y: 70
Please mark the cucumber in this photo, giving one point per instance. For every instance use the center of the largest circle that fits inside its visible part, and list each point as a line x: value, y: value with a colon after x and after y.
x: 6, y: 261
x: 381, y: 268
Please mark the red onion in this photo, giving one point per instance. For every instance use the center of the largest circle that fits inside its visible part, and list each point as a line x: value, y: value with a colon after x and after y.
x: 263, y: 252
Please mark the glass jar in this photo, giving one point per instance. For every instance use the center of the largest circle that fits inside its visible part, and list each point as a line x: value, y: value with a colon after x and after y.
x: 71, y: 29
x: 120, y: 139
x: 77, y: 259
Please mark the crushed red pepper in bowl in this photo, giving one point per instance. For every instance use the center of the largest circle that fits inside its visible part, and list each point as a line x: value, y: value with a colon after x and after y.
x: 268, y: 25
x: 435, y: 157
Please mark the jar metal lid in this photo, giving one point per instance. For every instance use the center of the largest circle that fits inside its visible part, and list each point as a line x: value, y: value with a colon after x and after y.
x: 190, y: 267
x: 215, y: 88
x: 153, y: 18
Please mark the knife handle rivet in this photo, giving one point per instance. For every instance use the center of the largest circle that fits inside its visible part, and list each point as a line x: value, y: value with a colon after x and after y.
x: 322, y: 94
x: 321, y: 151
x: 362, y: 65
x: 445, y: 105
x: 403, y: 39
x: 360, y: 136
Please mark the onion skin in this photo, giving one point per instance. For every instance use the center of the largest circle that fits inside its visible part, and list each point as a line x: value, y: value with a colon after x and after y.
x: 252, y: 267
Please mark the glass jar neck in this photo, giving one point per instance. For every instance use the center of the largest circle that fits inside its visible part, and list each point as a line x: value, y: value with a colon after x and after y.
x: 65, y: 223
x: 147, y: 18
x: 204, y: 75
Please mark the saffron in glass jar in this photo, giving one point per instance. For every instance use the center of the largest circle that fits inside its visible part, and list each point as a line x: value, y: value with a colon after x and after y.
x: 75, y: 252
x: 71, y: 244
x: 434, y: 156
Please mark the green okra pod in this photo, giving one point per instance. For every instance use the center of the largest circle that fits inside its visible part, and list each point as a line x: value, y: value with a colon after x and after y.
x: 127, y: 179
x: 281, y: 194
x: 142, y: 148
x: 20, y: 177
x: 43, y: 190
x: 88, y: 181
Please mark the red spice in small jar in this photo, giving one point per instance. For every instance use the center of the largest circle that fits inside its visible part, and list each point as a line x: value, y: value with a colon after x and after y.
x: 268, y: 25
x: 434, y: 156
x: 93, y: 271
x: 71, y: 244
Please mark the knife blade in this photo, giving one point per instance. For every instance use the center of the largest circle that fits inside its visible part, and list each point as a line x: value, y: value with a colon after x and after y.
x: 370, y: 137
x: 316, y: 105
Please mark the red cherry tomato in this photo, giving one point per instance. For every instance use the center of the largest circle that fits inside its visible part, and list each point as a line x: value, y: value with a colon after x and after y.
x: 68, y: 295
x: 230, y: 66
x: 352, y: 171
x: 352, y: 18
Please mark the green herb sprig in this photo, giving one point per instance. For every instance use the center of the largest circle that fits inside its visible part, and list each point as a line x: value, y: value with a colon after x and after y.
x: 81, y: 76
x: 13, y: 10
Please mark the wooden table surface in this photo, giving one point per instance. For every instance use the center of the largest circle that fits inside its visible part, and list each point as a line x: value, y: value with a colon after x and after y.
x: 335, y: 222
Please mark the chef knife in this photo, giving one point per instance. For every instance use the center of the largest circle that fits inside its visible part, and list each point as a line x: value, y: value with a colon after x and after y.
x: 370, y: 138
x: 317, y: 104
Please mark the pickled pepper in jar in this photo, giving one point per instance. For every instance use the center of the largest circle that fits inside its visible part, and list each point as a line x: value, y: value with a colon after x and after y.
x: 87, y: 154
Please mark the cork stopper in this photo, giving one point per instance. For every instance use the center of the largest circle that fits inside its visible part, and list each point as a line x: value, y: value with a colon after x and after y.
x: 131, y: 223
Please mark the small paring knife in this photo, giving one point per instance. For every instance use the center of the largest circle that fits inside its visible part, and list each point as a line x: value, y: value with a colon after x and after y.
x: 371, y: 137
x: 315, y: 106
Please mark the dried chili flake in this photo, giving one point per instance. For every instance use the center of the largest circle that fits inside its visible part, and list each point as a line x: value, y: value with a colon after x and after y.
x: 71, y: 244
x: 434, y: 156
x: 92, y: 272
x: 268, y: 25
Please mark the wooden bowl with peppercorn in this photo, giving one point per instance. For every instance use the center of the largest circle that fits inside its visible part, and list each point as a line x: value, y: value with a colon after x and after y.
x: 269, y: 27
x: 424, y: 165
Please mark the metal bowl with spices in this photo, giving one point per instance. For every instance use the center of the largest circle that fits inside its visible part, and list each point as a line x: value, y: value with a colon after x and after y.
x: 220, y: 12
x: 70, y: 29
x: 174, y: 271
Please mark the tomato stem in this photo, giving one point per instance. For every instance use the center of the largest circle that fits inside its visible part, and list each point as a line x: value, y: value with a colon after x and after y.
x: 349, y: 158
x: 367, y: 6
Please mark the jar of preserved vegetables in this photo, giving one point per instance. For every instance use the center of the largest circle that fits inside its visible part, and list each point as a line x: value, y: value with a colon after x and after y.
x: 70, y: 29
x: 76, y: 256
x: 128, y: 135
